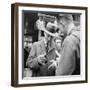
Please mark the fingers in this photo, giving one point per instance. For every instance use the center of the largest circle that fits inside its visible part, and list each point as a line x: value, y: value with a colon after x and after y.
x: 52, y: 61
x: 50, y: 66
x: 41, y: 63
x: 40, y: 24
x: 41, y: 59
x: 54, y: 64
x: 41, y: 56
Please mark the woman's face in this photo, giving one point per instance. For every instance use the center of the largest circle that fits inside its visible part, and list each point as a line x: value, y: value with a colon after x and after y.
x: 58, y: 44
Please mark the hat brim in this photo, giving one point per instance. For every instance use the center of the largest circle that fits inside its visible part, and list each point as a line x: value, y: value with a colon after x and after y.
x: 49, y: 27
x: 51, y: 34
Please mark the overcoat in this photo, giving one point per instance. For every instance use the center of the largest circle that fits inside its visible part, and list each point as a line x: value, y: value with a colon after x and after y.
x: 69, y: 63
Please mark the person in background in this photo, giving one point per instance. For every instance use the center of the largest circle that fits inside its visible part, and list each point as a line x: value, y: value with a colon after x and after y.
x: 58, y: 47
x: 69, y: 63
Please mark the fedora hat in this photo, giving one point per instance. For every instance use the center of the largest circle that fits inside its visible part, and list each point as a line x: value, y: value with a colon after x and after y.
x: 51, y: 29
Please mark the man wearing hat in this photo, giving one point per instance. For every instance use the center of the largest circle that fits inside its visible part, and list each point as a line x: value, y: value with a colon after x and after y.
x: 69, y: 63
x: 43, y: 52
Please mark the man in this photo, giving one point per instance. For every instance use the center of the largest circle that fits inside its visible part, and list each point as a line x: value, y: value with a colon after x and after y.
x: 69, y: 63
x: 43, y: 52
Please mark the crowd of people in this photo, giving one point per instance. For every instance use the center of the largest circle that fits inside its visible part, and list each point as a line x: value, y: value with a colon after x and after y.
x: 58, y: 53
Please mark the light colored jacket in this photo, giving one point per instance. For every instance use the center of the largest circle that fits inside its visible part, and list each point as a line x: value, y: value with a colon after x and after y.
x: 70, y: 56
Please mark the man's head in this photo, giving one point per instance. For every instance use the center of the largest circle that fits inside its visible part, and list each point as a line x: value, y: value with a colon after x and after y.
x: 65, y: 20
x: 50, y: 31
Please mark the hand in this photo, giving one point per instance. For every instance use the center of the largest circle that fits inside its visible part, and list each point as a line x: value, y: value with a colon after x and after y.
x: 54, y: 64
x: 41, y: 59
x: 40, y: 24
x: 59, y: 56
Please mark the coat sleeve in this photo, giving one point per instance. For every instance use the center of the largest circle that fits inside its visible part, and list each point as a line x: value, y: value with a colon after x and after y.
x: 32, y: 61
x: 66, y: 63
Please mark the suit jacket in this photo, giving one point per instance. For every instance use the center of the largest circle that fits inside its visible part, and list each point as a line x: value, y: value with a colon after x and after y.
x: 37, y: 49
x: 69, y: 63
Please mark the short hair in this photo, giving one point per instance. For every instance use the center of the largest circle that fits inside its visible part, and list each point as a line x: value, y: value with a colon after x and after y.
x: 67, y: 17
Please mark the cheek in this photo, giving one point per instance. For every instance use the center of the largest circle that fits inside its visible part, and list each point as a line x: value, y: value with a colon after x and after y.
x: 64, y: 31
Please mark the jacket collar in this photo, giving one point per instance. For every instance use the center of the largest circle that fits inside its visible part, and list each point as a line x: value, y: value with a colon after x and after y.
x: 70, y: 28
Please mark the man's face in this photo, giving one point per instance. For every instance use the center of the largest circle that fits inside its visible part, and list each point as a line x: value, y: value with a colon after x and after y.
x: 62, y: 25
